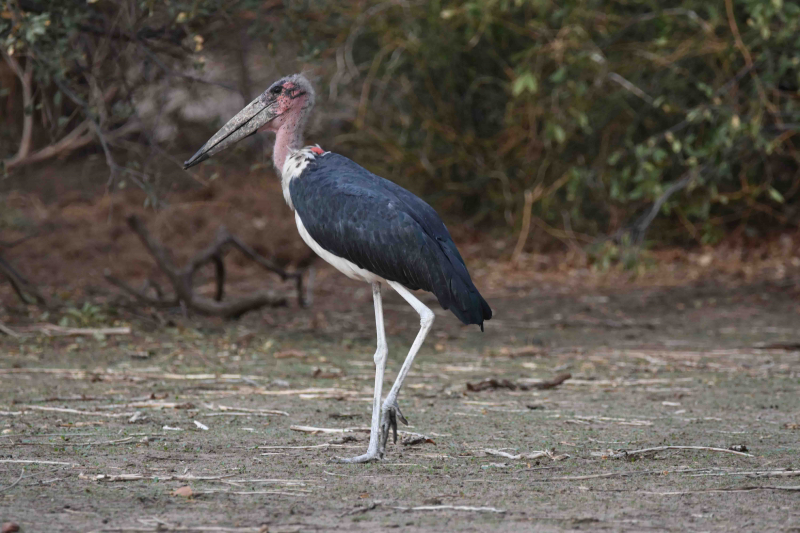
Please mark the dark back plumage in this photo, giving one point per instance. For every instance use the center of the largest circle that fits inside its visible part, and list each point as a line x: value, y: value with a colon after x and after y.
x: 383, y: 228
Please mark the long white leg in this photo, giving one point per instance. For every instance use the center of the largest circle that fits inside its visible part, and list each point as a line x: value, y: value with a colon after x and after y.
x: 391, y: 411
x: 382, y: 351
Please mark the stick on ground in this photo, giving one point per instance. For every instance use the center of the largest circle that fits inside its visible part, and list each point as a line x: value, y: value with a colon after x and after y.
x: 625, y: 453
x: 452, y: 508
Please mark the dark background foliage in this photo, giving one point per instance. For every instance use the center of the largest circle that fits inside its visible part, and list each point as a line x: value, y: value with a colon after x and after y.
x: 584, y: 118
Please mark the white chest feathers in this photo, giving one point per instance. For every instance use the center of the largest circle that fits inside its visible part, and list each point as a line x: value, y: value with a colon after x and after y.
x: 294, y: 166
x: 341, y: 264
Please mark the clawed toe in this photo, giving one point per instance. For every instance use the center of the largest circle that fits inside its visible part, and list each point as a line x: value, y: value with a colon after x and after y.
x: 390, y: 415
x: 366, y: 458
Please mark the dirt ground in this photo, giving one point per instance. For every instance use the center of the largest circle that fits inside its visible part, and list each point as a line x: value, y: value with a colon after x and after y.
x: 106, y: 433
x: 197, y: 424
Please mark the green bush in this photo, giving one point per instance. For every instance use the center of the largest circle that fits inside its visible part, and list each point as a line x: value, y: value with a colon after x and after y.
x: 599, y: 109
x: 475, y: 102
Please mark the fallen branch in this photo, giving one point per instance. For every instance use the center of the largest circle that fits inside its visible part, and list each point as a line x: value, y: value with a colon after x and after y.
x: 36, y: 462
x: 287, y: 482
x: 315, y: 430
x: 182, y: 278
x: 493, y: 383
x: 297, y: 492
x: 552, y: 383
x: 51, y: 330
x: 451, y: 508
x: 139, y: 477
x: 314, y: 447
x: 533, y: 455
x: 128, y: 440
x: 110, y: 374
x: 163, y: 528
x: 607, y: 475
x: 360, y: 510
x: 75, y: 398
x: 245, y: 410
x: 757, y: 473
x: 624, y: 453
x: 695, y: 472
x: 708, y: 491
x: 75, y: 411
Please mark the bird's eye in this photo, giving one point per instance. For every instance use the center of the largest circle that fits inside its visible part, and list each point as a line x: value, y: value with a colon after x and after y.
x: 276, y: 90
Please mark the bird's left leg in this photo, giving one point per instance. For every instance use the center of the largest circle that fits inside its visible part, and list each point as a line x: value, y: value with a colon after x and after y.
x: 374, y: 451
x: 391, y: 411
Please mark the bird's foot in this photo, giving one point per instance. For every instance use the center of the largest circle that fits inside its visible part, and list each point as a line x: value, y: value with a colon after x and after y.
x: 390, y: 414
x: 368, y: 457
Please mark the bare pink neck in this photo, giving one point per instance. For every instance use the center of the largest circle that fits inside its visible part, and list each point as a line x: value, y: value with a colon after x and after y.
x: 289, y: 137
x: 286, y: 141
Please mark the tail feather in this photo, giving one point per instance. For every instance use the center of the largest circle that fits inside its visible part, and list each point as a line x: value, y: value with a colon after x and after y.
x: 460, y: 295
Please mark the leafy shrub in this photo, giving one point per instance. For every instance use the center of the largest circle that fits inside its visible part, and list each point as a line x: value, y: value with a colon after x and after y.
x: 619, y: 101
x: 607, y: 113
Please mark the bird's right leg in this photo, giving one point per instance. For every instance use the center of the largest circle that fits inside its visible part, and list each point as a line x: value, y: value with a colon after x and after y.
x: 381, y: 353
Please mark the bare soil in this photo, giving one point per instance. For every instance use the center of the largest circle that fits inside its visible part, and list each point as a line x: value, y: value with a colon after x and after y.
x: 708, y: 365
x: 105, y: 433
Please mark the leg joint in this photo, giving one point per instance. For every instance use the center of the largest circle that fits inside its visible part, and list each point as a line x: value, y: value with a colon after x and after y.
x: 381, y: 353
x: 426, y: 317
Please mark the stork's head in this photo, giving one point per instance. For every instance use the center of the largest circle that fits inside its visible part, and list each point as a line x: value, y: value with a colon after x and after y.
x: 285, y: 105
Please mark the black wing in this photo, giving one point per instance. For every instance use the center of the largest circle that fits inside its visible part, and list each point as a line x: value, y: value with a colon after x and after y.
x: 381, y: 227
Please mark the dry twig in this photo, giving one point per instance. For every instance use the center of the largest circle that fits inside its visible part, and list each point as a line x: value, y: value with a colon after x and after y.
x: 360, y: 510
x: 36, y: 462
x: 732, y: 489
x: 162, y: 527
x: 75, y: 411
x: 493, y: 383
x: 313, y: 447
x: 244, y: 410
x: 451, y: 508
x: 296, y: 492
x: 515, y: 457
x: 51, y: 330
x: 756, y: 473
x: 315, y: 430
x: 139, y: 477
x: 624, y: 453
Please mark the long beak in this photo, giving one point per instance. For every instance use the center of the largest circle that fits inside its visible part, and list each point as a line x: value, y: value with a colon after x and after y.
x: 246, y: 122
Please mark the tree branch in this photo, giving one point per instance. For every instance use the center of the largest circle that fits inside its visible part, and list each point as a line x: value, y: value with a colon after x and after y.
x: 26, y: 79
x: 639, y: 228
x: 182, y: 278
x: 24, y: 289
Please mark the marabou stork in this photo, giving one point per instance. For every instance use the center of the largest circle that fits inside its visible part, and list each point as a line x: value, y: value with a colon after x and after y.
x: 368, y: 228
